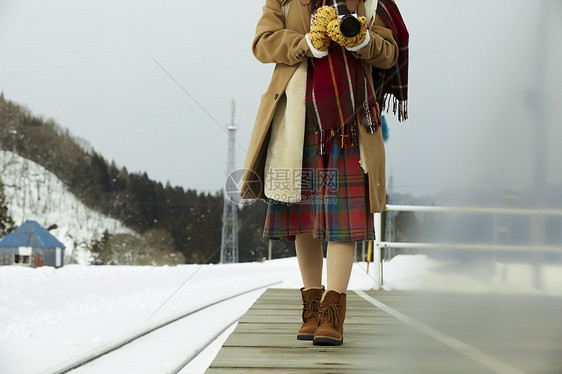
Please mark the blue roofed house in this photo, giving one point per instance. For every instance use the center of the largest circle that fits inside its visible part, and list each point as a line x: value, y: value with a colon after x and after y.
x: 31, y: 245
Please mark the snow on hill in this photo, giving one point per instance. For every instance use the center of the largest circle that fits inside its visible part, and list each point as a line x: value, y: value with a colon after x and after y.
x: 34, y: 193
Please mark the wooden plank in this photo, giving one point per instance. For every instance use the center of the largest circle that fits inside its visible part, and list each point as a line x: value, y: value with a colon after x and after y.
x: 289, y: 328
x: 324, y: 370
x: 340, y: 359
x: 289, y: 357
x: 279, y: 317
x: 353, y: 340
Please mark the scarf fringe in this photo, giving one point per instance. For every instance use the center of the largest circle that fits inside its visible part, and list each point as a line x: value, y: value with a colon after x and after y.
x: 400, y: 106
x: 346, y: 135
x: 394, y: 81
x: 402, y: 110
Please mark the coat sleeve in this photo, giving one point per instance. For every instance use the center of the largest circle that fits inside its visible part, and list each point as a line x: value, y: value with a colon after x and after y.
x: 382, y: 51
x: 274, y: 43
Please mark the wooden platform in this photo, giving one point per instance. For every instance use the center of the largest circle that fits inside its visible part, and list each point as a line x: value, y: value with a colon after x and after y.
x: 428, y: 334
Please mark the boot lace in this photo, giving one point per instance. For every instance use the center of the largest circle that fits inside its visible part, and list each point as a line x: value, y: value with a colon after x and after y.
x: 310, y: 308
x: 329, y: 313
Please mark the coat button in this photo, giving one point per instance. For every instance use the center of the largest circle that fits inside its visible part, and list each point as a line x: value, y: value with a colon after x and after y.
x: 303, y: 52
x: 275, y: 97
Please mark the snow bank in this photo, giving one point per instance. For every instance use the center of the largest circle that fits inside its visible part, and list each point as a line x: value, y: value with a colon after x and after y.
x: 420, y: 272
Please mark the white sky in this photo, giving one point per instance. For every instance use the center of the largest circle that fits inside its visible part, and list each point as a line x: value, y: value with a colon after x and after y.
x: 473, y: 67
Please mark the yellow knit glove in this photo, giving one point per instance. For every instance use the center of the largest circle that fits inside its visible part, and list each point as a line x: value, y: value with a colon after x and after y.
x: 333, y: 31
x: 317, y: 34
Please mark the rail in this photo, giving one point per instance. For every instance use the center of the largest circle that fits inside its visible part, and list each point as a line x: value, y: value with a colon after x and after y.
x: 95, y: 354
x: 378, y: 244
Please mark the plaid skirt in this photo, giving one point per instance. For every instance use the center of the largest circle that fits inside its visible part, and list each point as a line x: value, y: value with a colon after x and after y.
x: 335, y: 198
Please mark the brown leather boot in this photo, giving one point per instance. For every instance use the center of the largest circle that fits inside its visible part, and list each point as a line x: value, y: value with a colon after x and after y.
x: 310, y: 303
x: 330, y: 319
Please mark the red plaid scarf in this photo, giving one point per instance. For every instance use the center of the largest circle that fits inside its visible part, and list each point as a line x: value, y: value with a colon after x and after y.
x: 338, y: 94
x: 392, y: 84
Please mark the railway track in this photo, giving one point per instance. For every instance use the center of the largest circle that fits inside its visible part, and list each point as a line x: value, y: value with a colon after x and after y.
x: 157, y: 332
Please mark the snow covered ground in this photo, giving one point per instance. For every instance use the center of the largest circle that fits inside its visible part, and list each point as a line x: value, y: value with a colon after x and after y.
x: 53, y: 316
x: 34, y: 193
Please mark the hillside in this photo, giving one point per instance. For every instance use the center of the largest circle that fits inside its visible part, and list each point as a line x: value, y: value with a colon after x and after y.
x: 33, y: 193
x: 166, y: 224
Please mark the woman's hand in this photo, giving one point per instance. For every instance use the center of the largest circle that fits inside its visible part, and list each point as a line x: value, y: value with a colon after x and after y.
x: 317, y: 36
x: 353, y: 43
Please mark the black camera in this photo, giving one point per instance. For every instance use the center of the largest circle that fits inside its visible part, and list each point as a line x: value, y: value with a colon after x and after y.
x: 350, y: 26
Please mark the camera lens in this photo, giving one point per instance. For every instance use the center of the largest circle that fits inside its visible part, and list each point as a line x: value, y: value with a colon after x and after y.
x: 350, y: 26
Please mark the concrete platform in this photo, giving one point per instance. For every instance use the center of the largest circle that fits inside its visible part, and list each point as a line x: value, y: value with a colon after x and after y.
x: 406, y: 332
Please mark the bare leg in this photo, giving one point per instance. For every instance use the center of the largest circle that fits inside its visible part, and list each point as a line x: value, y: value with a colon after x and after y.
x: 339, y: 261
x: 310, y: 258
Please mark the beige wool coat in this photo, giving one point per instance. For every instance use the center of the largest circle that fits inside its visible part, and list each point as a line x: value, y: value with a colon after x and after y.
x: 281, y: 40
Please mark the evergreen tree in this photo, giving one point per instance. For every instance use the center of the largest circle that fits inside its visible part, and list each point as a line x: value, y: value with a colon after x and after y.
x: 6, y: 222
x: 192, y: 220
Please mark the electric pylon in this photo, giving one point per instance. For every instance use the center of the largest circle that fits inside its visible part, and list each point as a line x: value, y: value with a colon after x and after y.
x: 229, y: 240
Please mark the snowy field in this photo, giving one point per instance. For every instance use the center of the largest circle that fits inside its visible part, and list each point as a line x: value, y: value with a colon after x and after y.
x: 48, y: 316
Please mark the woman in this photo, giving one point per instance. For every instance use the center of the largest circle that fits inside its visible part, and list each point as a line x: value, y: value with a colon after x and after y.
x: 317, y: 154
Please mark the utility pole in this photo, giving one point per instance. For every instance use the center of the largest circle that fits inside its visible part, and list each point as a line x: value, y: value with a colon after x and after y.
x: 229, y: 240
x: 390, y: 230
x: 541, y: 138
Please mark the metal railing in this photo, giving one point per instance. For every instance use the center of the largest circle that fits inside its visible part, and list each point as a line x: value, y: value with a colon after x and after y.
x: 378, y: 244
